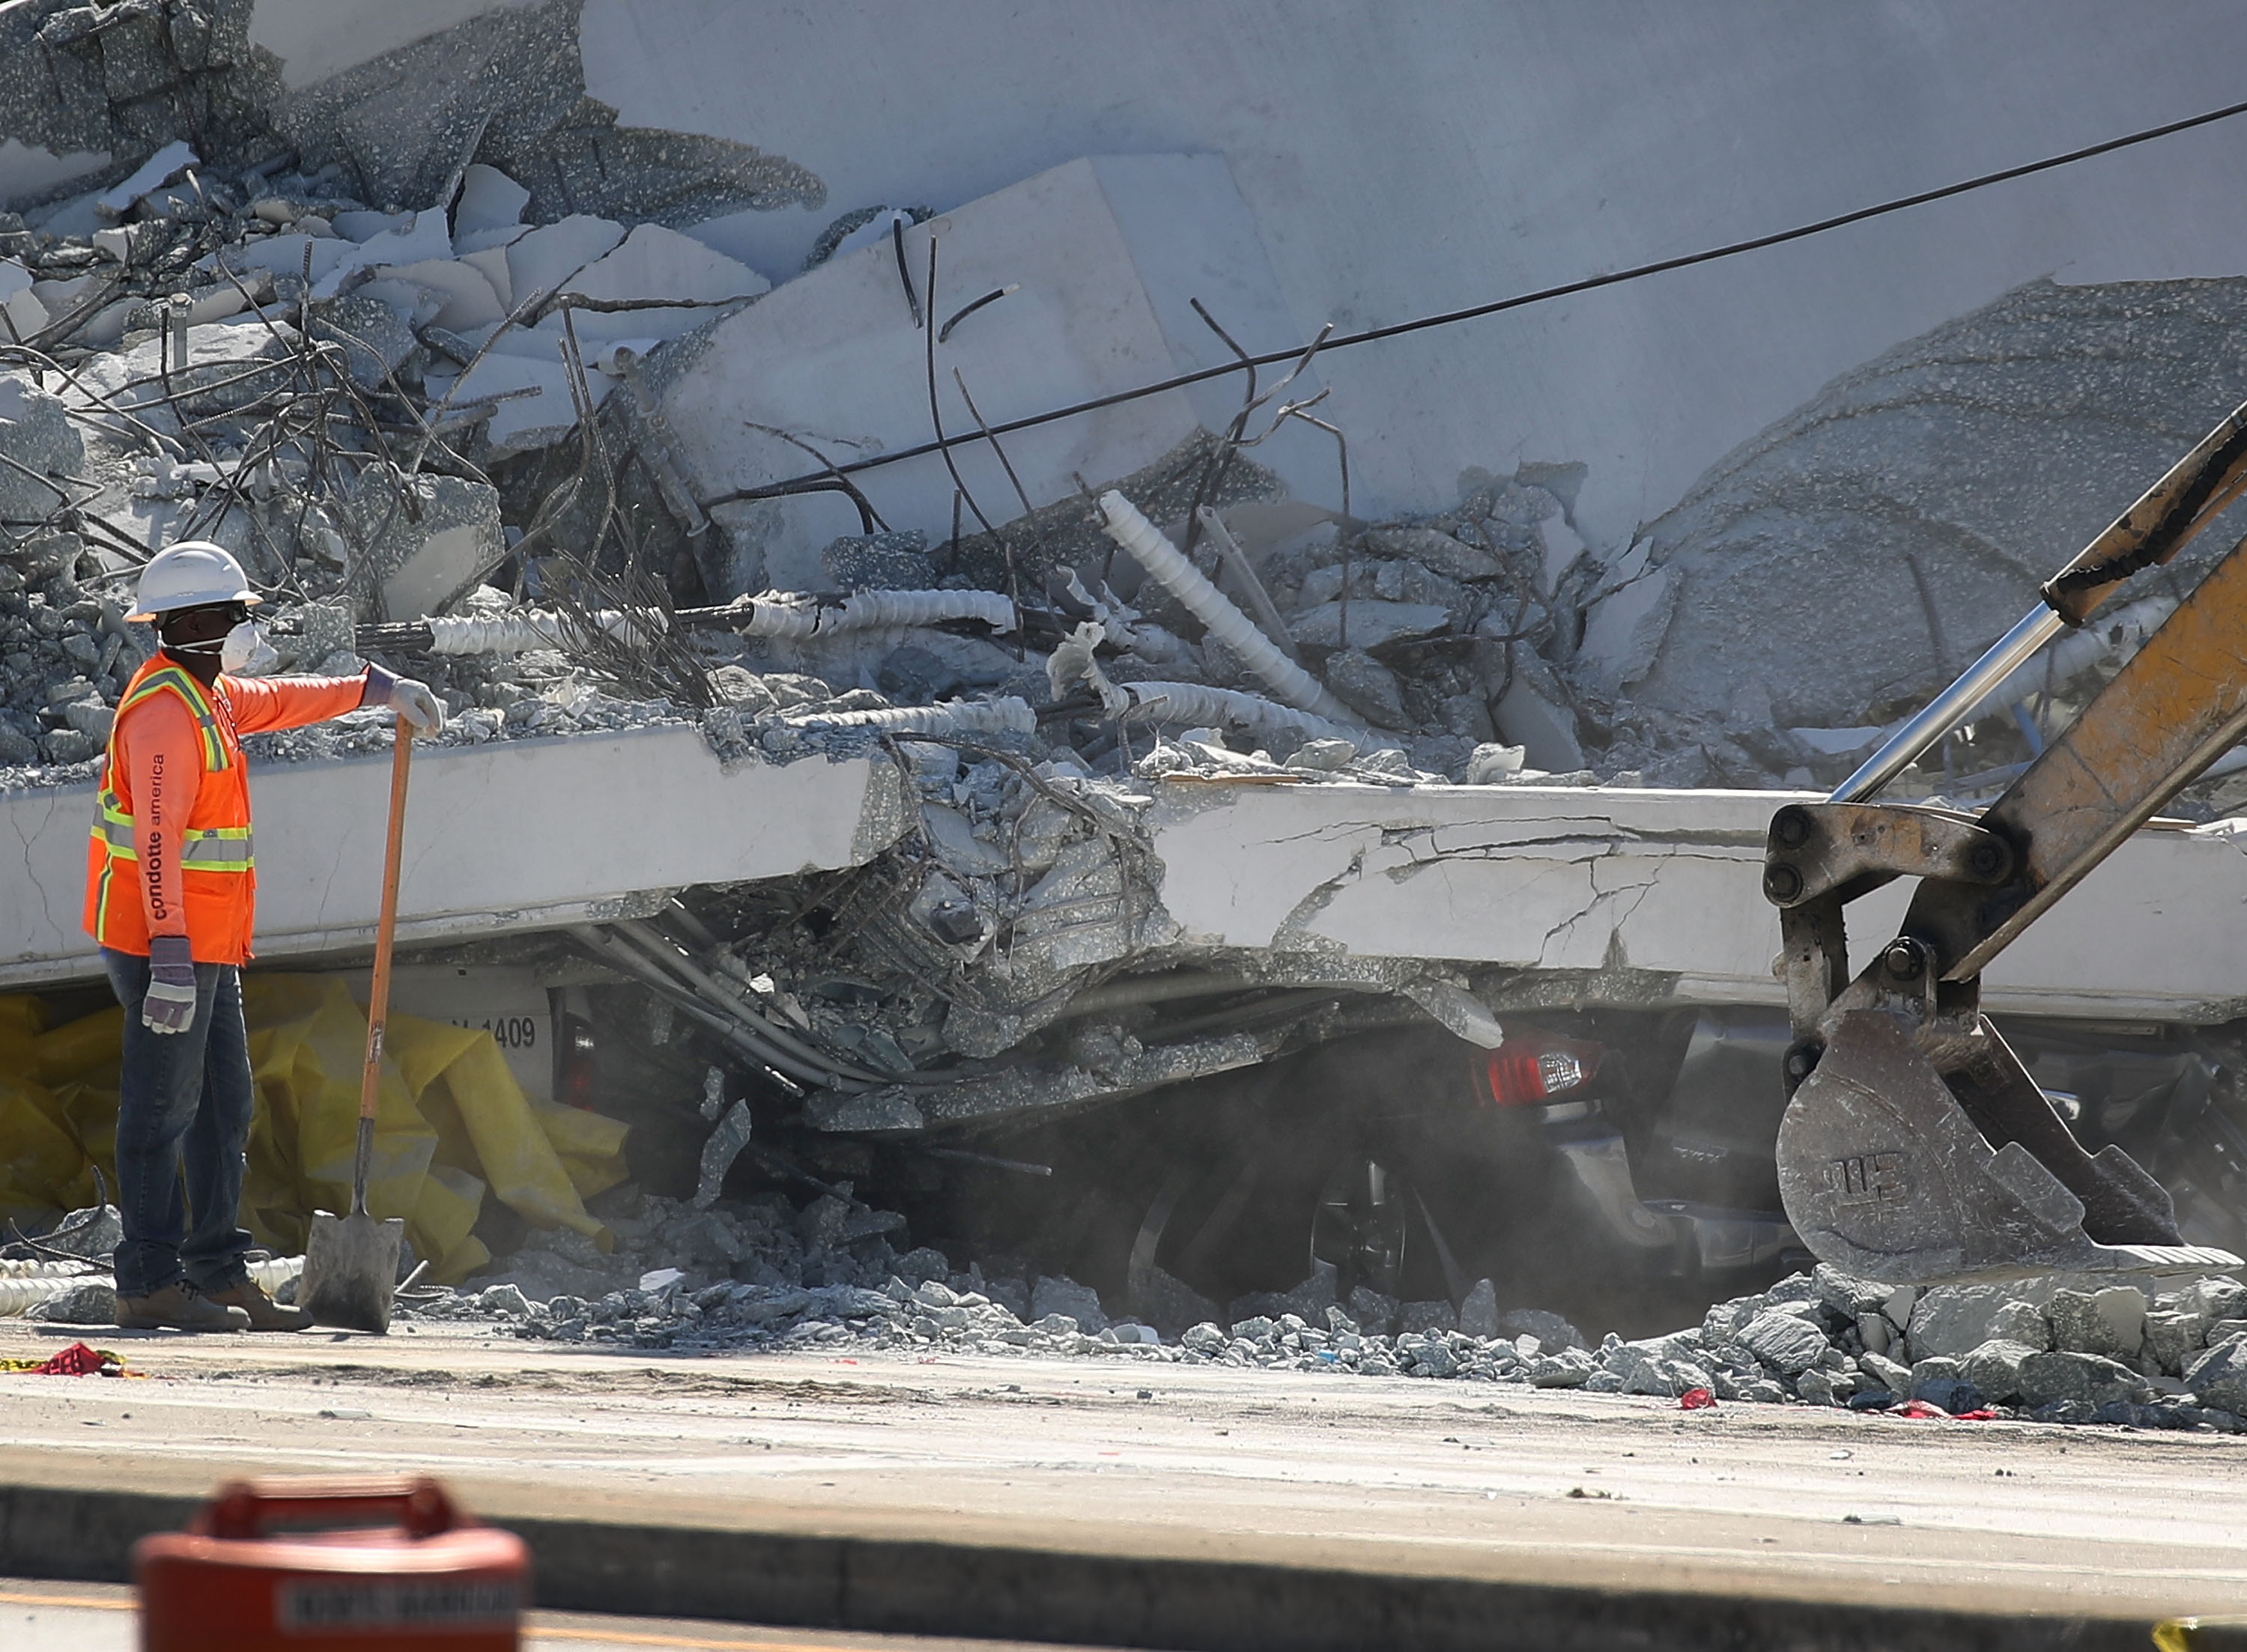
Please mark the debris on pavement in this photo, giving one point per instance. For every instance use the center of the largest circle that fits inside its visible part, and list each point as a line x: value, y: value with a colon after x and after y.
x: 77, y: 1360
x: 1803, y: 1341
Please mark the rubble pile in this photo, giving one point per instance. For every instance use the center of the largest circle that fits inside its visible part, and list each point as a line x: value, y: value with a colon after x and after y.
x: 1835, y: 570
x: 754, y: 1274
x: 381, y: 400
x: 384, y: 408
x: 2038, y: 1352
x: 1050, y: 1316
x: 336, y: 394
x: 260, y: 359
x: 2103, y: 1356
x: 759, y: 1273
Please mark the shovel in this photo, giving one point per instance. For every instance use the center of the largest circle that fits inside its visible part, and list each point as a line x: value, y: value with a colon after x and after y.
x: 351, y: 1263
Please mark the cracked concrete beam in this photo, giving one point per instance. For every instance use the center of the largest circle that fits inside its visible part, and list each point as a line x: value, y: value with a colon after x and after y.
x: 1666, y: 884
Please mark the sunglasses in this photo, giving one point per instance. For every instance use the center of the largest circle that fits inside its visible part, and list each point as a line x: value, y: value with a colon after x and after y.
x: 212, y: 620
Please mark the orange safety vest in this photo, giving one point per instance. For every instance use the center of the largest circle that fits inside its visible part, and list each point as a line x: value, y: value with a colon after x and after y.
x: 217, y: 873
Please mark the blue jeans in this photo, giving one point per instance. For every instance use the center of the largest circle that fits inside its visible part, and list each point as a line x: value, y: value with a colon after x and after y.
x: 184, y: 1113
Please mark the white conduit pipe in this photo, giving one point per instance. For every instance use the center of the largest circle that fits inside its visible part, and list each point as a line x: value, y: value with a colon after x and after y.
x: 786, y: 616
x: 21, y: 1292
x: 789, y: 615
x: 19, y: 1297
x: 2100, y: 636
x: 1154, y: 552
x: 866, y: 610
x: 1199, y: 705
x: 41, y: 1269
x: 1009, y: 714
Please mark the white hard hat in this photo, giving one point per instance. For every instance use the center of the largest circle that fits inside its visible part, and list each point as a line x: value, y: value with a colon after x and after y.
x: 189, y: 574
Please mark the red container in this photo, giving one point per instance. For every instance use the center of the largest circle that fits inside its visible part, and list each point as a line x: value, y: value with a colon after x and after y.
x: 431, y: 1580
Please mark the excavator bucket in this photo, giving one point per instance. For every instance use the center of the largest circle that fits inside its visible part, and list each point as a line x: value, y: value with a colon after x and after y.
x: 1917, y: 1149
x: 1886, y: 1174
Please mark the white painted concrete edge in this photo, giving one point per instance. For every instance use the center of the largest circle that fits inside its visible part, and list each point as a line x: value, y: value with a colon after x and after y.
x: 500, y: 839
x: 1593, y: 879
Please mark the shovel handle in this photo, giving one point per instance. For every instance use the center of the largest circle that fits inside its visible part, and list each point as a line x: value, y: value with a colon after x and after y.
x: 378, y: 1001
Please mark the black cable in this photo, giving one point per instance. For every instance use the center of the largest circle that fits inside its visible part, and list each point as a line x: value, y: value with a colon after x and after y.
x: 1452, y: 317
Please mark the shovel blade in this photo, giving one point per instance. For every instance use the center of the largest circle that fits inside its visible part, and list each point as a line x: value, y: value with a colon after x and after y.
x: 1885, y: 1176
x: 351, y: 1271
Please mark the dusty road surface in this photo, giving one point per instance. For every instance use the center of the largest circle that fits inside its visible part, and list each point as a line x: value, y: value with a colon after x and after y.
x: 1122, y: 1456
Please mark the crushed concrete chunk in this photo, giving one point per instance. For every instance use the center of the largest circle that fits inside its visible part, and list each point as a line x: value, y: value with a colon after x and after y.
x: 2110, y: 1322
x: 2045, y: 1378
x: 36, y: 437
x: 1079, y: 1302
x: 1995, y: 1367
x: 1787, y: 1342
x: 2219, y: 1375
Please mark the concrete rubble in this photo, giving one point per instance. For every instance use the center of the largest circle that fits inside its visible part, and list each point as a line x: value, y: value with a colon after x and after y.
x: 2041, y: 1353
x: 463, y: 376
x: 756, y: 1273
x: 531, y: 361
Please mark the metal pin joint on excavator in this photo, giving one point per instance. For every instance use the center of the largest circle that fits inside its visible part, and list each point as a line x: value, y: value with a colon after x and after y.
x: 1915, y: 1147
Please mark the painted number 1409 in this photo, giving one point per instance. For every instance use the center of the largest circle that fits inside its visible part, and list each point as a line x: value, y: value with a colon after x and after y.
x: 509, y: 1032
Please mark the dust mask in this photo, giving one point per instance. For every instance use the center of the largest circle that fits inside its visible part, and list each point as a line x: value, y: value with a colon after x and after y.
x: 244, y: 652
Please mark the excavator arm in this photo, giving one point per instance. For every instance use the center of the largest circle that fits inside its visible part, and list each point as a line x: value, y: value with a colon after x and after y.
x: 1916, y: 1148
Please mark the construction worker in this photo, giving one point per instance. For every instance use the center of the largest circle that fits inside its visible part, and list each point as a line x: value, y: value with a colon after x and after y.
x: 170, y: 882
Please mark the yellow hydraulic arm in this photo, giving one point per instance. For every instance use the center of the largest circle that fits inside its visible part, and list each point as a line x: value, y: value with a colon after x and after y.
x: 1916, y: 1146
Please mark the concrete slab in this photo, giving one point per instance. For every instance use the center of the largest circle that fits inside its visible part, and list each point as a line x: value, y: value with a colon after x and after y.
x: 1403, y: 161
x: 315, y: 38
x: 1104, y: 255
x: 656, y: 263
x: 490, y: 203
x: 1609, y: 880
x: 471, y: 301
x: 536, y: 408
x: 500, y: 838
x: 28, y: 171
x: 544, y: 260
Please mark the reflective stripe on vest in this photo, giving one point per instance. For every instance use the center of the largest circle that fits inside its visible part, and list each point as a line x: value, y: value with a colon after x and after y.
x: 115, y: 826
x: 210, y: 841
x: 172, y: 680
x: 218, y: 849
x: 110, y: 821
x: 213, y: 848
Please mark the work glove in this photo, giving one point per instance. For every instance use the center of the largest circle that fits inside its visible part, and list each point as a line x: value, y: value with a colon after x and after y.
x: 170, y: 1004
x: 411, y: 701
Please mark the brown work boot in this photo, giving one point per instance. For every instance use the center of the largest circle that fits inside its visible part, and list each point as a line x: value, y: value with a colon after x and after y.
x: 265, y: 1313
x: 178, y: 1307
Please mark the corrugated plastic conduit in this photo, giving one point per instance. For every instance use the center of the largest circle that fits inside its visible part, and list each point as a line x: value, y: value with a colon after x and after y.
x: 1165, y: 563
x: 783, y: 616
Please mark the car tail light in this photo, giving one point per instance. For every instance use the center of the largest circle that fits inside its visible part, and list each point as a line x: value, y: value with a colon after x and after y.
x: 576, y: 1070
x: 1531, y: 1068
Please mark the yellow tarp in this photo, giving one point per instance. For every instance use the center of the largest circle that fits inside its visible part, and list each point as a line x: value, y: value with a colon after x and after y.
x: 451, y: 1123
